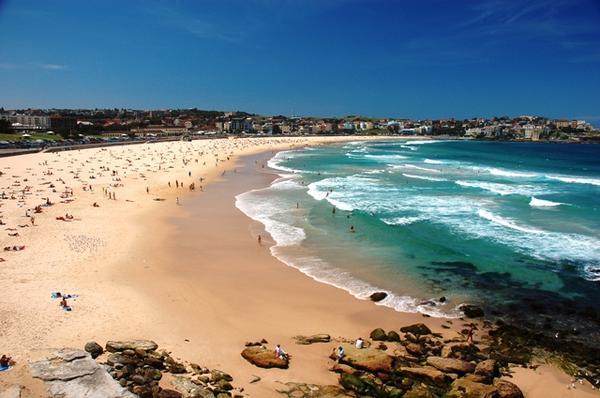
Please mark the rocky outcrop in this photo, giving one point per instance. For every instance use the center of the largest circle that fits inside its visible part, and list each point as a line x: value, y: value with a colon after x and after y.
x: 427, y: 374
x: 465, y: 388
x: 506, y: 389
x: 301, y: 390
x: 368, y: 359
x: 143, y: 345
x: 378, y: 335
x: 94, y: 349
x: 315, y: 338
x: 264, y: 358
x: 74, y: 374
x: 450, y: 365
x: 471, y: 311
x: 487, y: 369
x: 418, y: 329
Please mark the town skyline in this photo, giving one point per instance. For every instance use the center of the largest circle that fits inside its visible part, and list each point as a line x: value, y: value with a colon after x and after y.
x: 326, y: 58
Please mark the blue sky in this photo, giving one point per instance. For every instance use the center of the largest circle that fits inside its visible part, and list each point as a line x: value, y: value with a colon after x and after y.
x: 419, y: 59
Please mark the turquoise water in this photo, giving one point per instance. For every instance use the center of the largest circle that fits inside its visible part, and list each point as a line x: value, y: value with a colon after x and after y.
x: 482, y: 222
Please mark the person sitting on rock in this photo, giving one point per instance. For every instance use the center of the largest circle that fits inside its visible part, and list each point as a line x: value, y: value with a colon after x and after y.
x: 281, y: 354
x: 340, y: 353
x: 360, y: 343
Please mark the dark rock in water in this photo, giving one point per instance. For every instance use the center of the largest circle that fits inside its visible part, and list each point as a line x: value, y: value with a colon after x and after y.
x: 442, y: 299
x: 451, y: 365
x: 417, y: 329
x: 393, y: 336
x: 378, y: 335
x: 471, y: 311
x: 378, y: 296
x: 166, y: 393
x: 146, y: 345
x: 264, y: 358
x: 94, y: 349
x: 315, y: 338
x: 506, y: 389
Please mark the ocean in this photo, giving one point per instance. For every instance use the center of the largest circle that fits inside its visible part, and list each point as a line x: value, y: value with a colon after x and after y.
x: 435, y: 224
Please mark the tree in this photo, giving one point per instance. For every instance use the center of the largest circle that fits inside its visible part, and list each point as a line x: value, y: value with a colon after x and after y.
x: 5, y: 126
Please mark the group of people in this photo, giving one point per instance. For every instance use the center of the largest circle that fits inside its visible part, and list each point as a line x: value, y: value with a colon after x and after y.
x: 339, y: 352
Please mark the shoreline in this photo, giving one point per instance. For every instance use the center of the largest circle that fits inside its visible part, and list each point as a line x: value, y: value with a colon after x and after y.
x: 160, y: 286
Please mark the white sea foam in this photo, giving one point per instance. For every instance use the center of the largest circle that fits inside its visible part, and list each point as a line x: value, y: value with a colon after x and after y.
x: 505, y: 222
x: 400, y: 220
x: 510, y: 173
x: 323, y: 272
x: 412, y: 166
x: 433, y: 161
x: 500, y: 189
x: 265, y: 211
x: 423, y: 177
x: 423, y: 142
x: 575, y: 180
x: 280, y: 157
x: 535, y: 202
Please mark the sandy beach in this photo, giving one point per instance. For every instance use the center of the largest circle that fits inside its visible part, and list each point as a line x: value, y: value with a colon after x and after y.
x: 174, y: 262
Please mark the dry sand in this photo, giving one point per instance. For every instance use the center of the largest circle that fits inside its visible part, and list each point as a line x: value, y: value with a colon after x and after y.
x: 191, y: 276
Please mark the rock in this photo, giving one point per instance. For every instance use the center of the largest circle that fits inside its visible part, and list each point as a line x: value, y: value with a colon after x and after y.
x: 378, y: 296
x: 464, y: 388
x: 13, y: 391
x: 369, y: 359
x: 393, y: 336
x: 315, y: 338
x: 354, y: 383
x: 415, y: 349
x: 74, y: 374
x: 217, y: 375
x: 418, y: 329
x: 301, y: 390
x: 506, y: 389
x: 189, y: 389
x: 450, y: 365
x: 116, y: 358
x: 471, y: 311
x: 94, y: 349
x: 488, y: 369
x: 255, y: 379
x: 426, y: 374
x: 419, y: 390
x: 465, y: 351
x: 341, y: 368
x: 264, y: 358
x: 378, y: 335
x: 138, y: 379
x: 166, y: 393
x: 146, y: 345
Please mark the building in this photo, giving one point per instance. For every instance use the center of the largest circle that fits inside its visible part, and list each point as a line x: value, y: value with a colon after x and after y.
x: 63, y: 124
x: 27, y: 122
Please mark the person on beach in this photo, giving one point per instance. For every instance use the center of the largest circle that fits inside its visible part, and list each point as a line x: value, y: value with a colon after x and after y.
x: 340, y: 353
x: 281, y: 354
x: 177, y: 200
x: 470, y: 333
x: 259, y: 239
x: 63, y: 302
x: 352, y: 229
x: 360, y: 343
x: 6, y: 362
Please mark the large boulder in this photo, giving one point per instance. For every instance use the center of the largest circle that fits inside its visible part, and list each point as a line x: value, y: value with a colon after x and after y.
x: 418, y: 329
x: 488, y: 369
x: 506, y: 389
x: 74, y: 374
x: 264, y: 358
x: 94, y: 349
x: 315, y: 338
x: 465, y: 351
x: 450, y: 365
x: 393, y: 336
x: 419, y: 390
x: 143, y: 345
x: 378, y: 335
x: 378, y: 296
x: 426, y: 374
x: 465, y: 388
x: 369, y: 359
x: 302, y: 390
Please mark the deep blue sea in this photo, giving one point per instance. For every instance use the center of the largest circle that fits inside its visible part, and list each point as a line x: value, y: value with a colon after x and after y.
x: 477, y: 222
